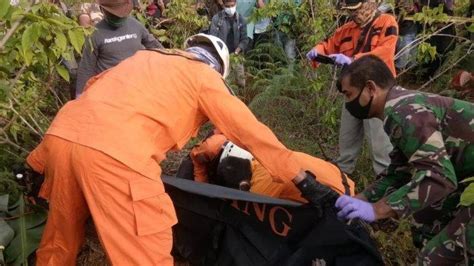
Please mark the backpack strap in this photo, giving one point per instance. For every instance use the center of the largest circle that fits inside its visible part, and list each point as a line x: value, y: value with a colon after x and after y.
x: 364, y: 35
x: 345, y: 183
x: 175, y: 52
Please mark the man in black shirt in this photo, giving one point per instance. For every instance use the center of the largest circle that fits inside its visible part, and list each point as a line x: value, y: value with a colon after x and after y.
x: 231, y: 28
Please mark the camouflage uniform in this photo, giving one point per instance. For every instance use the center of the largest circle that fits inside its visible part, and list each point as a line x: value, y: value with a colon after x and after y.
x: 433, y: 138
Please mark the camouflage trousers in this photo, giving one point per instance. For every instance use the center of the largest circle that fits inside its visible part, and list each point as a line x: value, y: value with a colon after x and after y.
x: 453, y: 244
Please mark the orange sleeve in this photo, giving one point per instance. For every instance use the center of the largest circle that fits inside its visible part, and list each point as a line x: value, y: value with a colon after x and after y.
x: 262, y: 183
x: 37, y: 158
x: 233, y: 118
x: 209, y: 148
x: 200, y: 171
x: 205, y: 152
x: 329, y: 46
x: 326, y: 173
x: 386, y: 44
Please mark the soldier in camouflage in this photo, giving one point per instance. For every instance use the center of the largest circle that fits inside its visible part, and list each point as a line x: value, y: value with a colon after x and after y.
x: 433, y: 139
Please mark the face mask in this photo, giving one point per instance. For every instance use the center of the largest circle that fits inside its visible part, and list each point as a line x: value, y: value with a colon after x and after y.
x: 364, y: 14
x: 230, y: 11
x: 113, y: 20
x: 357, y: 110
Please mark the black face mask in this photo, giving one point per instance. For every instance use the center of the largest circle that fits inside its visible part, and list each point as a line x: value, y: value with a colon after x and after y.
x: 113, y: 20
x: 357, y: 110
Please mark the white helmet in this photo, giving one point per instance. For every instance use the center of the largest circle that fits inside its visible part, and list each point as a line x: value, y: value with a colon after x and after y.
x: 232, y: 150
x: 218, y: 44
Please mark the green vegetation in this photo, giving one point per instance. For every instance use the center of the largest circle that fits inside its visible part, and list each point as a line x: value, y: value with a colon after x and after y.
x: 34, y: 39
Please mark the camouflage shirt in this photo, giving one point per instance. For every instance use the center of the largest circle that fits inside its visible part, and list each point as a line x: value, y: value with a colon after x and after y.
x: 433, y: 139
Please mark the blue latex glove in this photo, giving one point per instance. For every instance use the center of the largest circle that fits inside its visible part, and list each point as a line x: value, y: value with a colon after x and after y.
x: 312, y: 54
x: 351, y: 208
x: 341, y: 59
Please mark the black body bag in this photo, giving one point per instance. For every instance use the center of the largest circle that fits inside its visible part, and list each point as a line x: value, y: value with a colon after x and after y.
x: 223, y: 226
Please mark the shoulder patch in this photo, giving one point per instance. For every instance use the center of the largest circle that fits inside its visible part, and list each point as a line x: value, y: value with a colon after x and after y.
x: 396, y: 132
x: 346, y: 39
x: 392, y: 30
x: 173, y: 52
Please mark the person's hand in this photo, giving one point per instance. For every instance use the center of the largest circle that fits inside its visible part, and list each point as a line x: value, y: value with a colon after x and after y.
x: 313, y: 191
x: 312, y: 54
x: 361, y: 196
x: 351, y: 208
x: 237, y: 51
x: 85, y: 20
x: 341, y: 59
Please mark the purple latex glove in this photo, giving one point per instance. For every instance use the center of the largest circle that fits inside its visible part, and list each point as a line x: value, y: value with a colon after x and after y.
x: 312, y: 54
x: 341, y: 59
x: 351, y: 208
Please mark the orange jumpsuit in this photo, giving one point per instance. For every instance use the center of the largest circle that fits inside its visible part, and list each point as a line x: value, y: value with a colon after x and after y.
x: 262, y: 182
x: 203, y: 153
x: 379, y: 39
x: 326, y: 173
x: 102, y: 152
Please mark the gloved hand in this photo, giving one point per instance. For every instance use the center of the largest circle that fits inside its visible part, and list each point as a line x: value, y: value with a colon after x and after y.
x: 341, y: 59
x: 351, y: 208
x: 312, y: 54
x: 315, y: 192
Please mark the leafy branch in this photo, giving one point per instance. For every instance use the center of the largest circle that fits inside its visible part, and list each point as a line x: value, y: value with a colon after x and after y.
x: 440, y: 73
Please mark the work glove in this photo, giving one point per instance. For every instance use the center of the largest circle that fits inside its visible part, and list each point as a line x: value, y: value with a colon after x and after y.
x: 341, y: 59
x: 316, y: 193
x: 312, y: 54
x: 352, y: 208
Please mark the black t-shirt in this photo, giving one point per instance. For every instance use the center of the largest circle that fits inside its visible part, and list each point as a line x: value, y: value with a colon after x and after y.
x: 230, y: 37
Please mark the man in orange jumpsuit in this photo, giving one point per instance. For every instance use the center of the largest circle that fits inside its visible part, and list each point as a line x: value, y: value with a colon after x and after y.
x: 203, y: 154
x: 368, y: 32
x: 101, y: 154
x: 236, y: 167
